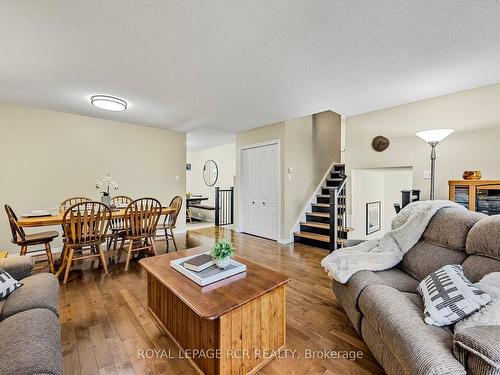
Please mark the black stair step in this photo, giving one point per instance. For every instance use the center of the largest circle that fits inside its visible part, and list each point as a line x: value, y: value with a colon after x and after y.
x: 325, y: 198
x: 320, y: 207
x: 314, y: 224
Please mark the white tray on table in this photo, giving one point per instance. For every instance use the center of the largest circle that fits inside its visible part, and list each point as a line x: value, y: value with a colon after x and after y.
x: 209, y: 275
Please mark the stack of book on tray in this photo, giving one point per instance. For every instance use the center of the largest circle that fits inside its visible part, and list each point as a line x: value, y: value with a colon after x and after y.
x: 202, y: 270
x: 199, y: 263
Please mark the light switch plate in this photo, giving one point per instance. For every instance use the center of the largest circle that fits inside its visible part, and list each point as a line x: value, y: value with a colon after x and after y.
x: 427, y: 175
x: 290, y: 170
x: 177, y: 177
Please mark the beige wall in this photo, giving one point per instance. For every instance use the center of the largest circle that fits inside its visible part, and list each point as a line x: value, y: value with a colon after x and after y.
x: 308, y: 145
x: 475, y: 114
x: 48, y: 156
x: 382, y: 185
x: 224, y: 156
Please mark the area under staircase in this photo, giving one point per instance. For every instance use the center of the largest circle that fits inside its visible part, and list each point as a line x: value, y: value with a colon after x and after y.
x: 325, y: 225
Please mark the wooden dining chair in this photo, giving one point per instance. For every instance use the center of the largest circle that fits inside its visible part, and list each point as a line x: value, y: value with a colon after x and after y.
x: 141, y: 220
x: 117, y: 225
x: 85, y: 225
x: 71, y: 201
x: 120, y: 199
x: 170, y: 220
x: 20, y: 238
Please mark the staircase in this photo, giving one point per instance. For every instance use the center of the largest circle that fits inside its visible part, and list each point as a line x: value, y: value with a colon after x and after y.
x: 325, y: 226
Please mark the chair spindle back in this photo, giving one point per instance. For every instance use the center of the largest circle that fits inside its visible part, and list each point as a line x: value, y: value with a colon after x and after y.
x: 65, y: 204
x: 120, y: 199
x: 86, y: 223
x: 17, y: 232
x: 171, y: 219
x: 141, y: 217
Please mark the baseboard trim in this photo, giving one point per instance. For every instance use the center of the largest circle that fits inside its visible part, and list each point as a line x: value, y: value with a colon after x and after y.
x: 286, y: 241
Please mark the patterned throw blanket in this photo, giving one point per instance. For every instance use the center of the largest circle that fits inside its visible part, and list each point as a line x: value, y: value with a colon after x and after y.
x: 381, y: 254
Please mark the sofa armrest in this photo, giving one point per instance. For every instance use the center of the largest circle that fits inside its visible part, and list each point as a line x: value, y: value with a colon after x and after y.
x: 478, y: 349
x: 18, y: 267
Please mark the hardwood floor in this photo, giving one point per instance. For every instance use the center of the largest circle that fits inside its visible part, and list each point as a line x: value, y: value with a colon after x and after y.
x: 106, y: 328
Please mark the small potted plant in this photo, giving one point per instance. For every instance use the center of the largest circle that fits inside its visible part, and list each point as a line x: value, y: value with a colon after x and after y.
x: 222, y: 253
x: 104, y: 184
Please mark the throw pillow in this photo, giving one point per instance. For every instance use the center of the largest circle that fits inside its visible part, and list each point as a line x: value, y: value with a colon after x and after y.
x: 7, y: 284
x: 449, y: 296
x: 488, y: 315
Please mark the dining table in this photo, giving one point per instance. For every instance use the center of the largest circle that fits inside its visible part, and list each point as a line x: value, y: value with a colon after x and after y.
x: 57, y: 219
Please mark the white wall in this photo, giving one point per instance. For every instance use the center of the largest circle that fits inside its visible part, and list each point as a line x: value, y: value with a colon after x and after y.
x: 394, y: 181
x: 225, y: 157
x: 372, y: 185
x: 48, y: 156
x: 475, y: 114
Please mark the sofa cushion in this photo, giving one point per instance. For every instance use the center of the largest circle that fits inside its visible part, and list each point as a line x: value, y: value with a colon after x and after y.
x: 425, y: 258
x: 478, y: 348
x: 450, y: 226
x: 399, y: 280
x: 416, y: 299
x: 18, y: 267
x: 348, y: 293
x: 484, y: 238
x: 38, y: 291
x: 30, y: 343
x: 476, y: 267
x: 420, y: 349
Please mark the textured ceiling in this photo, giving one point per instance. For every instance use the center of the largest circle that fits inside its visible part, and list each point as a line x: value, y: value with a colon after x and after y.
x: 232, y: 65
x: 204, y: 138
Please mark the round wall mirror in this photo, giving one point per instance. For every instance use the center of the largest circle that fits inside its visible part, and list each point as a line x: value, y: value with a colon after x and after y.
x: 210, y: 172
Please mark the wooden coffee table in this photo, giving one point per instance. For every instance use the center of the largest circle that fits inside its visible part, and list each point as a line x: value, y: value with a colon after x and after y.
x: 234, y: 326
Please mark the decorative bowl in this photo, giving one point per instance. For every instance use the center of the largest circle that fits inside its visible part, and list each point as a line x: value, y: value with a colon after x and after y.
x: 472, y: 175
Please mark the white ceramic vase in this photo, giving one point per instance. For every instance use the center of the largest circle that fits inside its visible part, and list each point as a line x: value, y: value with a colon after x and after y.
x: 106, y: 199
x: 222, y: 262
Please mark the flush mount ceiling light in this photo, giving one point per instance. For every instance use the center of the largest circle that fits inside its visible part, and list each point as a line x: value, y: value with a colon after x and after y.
x: 109, y: 103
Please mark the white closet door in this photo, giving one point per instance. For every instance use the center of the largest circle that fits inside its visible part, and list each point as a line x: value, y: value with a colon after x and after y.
x: 249, y: 192
x: 259, y: 188
x: 269, y: 185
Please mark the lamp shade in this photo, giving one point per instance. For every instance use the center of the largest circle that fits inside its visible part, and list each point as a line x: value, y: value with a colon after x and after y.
x: 435, y: 135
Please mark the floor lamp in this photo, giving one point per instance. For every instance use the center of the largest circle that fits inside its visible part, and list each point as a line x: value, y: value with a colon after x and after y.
x: 433, y: 137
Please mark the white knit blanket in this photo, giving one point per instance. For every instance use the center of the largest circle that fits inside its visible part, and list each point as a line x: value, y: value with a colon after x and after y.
x: 381, y: 254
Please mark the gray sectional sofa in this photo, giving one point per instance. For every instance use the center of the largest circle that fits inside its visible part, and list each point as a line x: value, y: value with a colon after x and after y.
x: 29, y: 322
x: 387, y: 311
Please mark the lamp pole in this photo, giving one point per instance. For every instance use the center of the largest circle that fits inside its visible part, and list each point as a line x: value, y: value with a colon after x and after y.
x: 433, y: 137
x: 433, y: 167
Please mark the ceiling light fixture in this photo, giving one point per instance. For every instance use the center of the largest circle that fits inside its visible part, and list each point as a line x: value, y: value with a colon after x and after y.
x: 109, y: 103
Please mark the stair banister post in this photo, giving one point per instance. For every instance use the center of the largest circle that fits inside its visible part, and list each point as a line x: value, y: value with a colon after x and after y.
x: 333, y: 219
x: 217, y: 206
